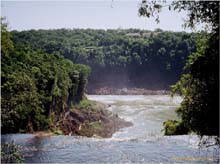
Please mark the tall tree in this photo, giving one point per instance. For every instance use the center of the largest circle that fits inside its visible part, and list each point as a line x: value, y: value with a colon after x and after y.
x: 36, y: 88
x: 199, y: 110
x: 6, y: 42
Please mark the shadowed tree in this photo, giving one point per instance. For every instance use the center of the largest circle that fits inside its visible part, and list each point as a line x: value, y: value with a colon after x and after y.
x: 199, y: 110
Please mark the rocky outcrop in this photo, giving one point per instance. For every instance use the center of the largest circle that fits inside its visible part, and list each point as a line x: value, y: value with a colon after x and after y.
x: 92, y: 120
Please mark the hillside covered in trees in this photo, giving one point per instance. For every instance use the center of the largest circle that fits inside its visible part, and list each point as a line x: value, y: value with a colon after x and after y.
x: 36, y: 85
x: 44, y: 91
x: 130, y: 58
x: 199, y: 85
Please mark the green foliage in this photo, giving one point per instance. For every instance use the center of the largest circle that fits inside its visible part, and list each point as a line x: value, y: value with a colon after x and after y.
x: 37, y: 87
x: 84, y: 104
x: 10, y: 153
x: 173, y: 127
x: 58, y: 132
x: 152, y: 55
x: 198, y: 11
x: 201, y: 45
x: 6, y: 43
x: 20, y: 103
x: 199, y: 87
x: 200, y: 107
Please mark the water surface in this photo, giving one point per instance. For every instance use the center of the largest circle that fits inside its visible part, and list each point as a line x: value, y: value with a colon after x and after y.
x: 142, y: 143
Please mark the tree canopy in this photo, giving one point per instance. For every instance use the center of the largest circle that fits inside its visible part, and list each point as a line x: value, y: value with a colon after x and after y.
x: 199, y: 110
x: 36, y: 87
x: 118, y: 58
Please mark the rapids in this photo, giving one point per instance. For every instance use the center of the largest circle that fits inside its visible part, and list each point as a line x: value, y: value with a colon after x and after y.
x: 141, y: 143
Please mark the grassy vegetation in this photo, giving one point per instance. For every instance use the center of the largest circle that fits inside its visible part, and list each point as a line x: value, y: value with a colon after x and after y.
x: 58, y: 132
x: 86, y: 104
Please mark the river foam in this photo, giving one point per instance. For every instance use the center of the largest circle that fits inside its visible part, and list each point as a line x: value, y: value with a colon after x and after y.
x: 142, y: 143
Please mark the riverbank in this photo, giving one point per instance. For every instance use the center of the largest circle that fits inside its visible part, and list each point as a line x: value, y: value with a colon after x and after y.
x: 87, y: 118
x: 142, y: 143
x: 127, y: 91
x: 91, y: 119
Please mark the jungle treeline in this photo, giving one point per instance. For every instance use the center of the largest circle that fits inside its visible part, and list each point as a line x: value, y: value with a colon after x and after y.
x: 118, y: 58
x: 36, y: 87
x: 45, y: 72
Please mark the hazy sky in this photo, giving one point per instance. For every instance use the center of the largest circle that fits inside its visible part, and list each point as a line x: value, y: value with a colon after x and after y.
x: 106, y: 14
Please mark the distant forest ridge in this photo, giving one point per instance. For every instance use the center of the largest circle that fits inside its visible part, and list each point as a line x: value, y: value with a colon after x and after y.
x: 119, y: 58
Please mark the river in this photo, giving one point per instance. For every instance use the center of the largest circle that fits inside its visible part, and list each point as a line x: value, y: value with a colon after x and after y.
x: 141, y: 143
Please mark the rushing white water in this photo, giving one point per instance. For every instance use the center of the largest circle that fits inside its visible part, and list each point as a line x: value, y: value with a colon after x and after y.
x: 141, y: 143
x: 147, y: 113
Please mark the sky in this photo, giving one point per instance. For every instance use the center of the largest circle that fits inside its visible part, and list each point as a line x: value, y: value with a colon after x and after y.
x: 99, y: 14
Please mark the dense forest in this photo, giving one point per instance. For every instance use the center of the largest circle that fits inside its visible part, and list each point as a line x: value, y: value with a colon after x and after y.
x: 40, y: 81
x: 119, y: 58
x: 38, y: 71
x: 44, y: 76
x: 199, y: 86
x: 36, y: 87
